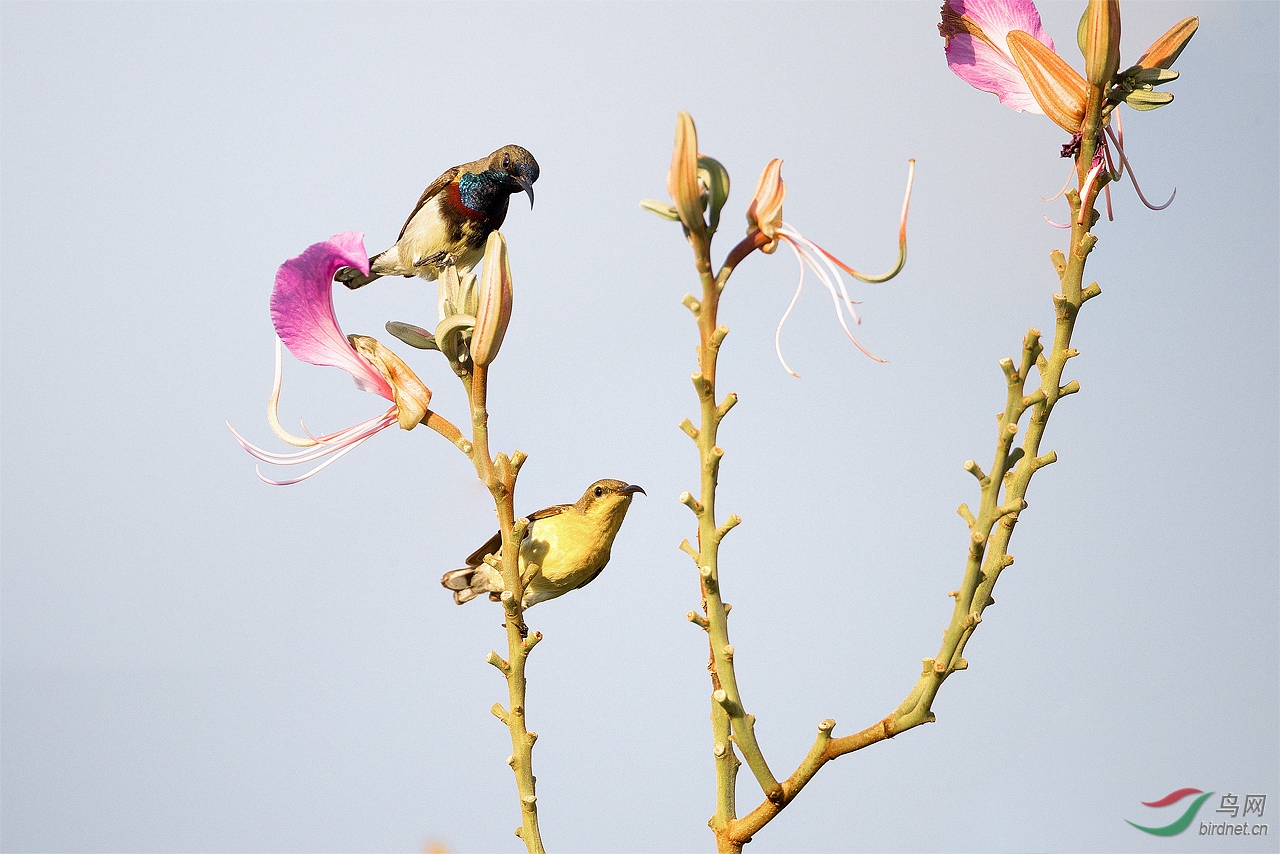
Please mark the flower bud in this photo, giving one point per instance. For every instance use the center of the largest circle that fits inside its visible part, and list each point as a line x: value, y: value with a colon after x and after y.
x: 1165, y: 50
x: 682, y: 178
x: 1099, y: 38
x: 411, y: 397
x: 1057, y: 87
x: 495, y: 301
x: 764, y: 214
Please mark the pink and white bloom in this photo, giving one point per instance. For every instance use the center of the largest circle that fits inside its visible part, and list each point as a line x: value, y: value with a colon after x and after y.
x: 977, y: 47
x: 303, y: 316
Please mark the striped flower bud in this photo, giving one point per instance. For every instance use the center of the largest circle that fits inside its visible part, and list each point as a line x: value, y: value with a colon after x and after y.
x: 1165, y: 50
x: 495, y: 301
x: 1057, y: 87
x: 682, y: 179
x: 1099, y: 38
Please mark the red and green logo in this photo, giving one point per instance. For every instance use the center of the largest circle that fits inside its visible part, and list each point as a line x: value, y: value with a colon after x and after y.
x: 1184, y: 821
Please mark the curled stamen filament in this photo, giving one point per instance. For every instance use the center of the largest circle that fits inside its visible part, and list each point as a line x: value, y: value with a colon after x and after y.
x: 1058, y: 195
x: 1125, y: 164
x: 334, y: 446
x: 815, y: 258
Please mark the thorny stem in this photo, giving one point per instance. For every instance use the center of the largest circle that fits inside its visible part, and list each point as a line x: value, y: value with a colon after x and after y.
x: 990, y: 528
x: 499, y: 475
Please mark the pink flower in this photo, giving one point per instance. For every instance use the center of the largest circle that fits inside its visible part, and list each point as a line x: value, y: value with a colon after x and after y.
x: 302, y: 312
x: 977, y: 48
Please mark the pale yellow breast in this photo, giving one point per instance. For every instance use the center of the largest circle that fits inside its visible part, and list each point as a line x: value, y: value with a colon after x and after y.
x: 569, y: 548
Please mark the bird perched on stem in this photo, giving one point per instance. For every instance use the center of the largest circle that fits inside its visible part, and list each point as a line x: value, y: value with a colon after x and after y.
x: 453, y: 219
x: 568, y: 543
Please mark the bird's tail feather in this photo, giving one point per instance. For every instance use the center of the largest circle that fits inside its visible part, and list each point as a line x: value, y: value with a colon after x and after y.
x: 469, y: 582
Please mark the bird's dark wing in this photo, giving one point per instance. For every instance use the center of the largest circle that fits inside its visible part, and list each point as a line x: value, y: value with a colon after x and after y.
x: 553, y: 510
x: 489, y: 548
x: 432, y: 189
x: 495, y: 542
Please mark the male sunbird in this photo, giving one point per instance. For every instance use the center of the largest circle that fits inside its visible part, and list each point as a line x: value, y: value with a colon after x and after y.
x: 569, y: 542
x: 453, y: 219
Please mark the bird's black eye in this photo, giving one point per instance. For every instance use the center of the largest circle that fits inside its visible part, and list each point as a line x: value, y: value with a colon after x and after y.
x: 599, y: 491
x: 506, y: 162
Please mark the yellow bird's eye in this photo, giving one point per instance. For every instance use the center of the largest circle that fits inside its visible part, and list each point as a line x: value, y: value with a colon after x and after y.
x: 599, y: 491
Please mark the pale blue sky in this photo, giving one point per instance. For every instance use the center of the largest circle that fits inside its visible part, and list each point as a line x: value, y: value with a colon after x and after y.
x: 194, y: 661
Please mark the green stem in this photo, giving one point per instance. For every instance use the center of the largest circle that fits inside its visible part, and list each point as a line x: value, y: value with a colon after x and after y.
x: 499, y: 476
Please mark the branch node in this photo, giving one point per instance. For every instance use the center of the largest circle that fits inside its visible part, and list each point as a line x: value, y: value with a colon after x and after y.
x: 1059, y: 262
x: 1090, y: 292
x: 954, y: 594
x: 687, y: 499
x: 1010, y: 372
x: 497, y: 661
x: 532, y: 640
x: 1006, y: 561
x: 731, y: 707
x: 928, y: 664
x: 533, y: 736
x: 972, y: 467
x: 690, y: 551
x: 500, y: 713
x: 961, y: 664
x: 529, y: 801
x: 728, y: 651
x: 1070, y: 388
x: 732, y: 522
x: 718, y: 334
x: 691, y: 431
x: 720, y: 748
x: 531, y: 570
x: 698, y: 620
x: 511, y: 760
x: 827, y: 726
x: 966, y: 514
x: 692, y: 304
x: 725, y: 405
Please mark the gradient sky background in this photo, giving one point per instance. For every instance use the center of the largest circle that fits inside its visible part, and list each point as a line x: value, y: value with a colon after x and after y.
x: 194, y: 661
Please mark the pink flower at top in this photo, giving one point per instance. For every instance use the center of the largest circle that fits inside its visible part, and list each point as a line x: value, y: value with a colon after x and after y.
x: 977, y: 50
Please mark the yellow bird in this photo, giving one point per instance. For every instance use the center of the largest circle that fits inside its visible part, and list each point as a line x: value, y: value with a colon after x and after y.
x: 570, y: 544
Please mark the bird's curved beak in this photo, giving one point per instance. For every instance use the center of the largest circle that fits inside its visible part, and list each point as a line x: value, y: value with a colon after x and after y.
x: 632, y: 490
x: 527, y: 186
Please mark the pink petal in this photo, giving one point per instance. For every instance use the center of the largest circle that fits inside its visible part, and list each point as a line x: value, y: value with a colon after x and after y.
x: 988, y: 68
x: 302, y: 309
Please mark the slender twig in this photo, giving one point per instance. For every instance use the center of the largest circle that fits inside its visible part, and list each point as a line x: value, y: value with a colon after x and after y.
x: 499, y: 476
x: 1002, y: 499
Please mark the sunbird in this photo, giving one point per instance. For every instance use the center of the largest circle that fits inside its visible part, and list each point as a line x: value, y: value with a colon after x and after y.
x: 569, y: 542
x: 453, y: 219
